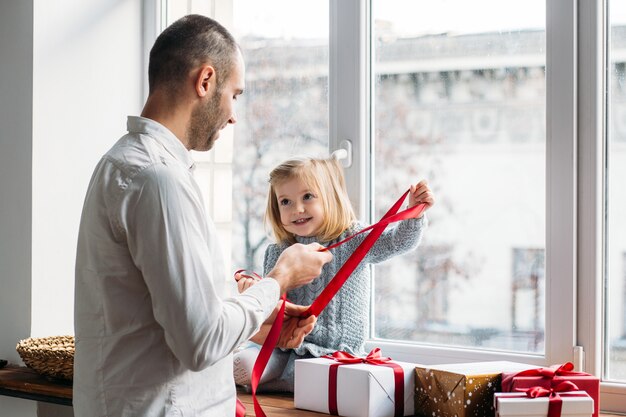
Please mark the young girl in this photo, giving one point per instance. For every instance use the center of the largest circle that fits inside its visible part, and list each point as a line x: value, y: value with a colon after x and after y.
x: 308, y: 202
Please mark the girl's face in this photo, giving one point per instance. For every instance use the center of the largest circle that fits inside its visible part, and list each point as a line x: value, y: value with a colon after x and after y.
x: 301, y: 210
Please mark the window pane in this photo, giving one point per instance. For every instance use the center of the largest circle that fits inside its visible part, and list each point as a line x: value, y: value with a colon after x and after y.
x: 284, y: 110
x: 616, y: 198
x: 459, y: 100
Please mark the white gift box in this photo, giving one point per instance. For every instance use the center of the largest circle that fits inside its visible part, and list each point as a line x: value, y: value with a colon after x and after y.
x: 575, y: 404
x: 363, y: 390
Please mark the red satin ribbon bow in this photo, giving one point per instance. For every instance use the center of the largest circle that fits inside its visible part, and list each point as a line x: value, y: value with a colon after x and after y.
x: 555, y: 403
x: 567, y: 369
x: 331, y: 289
x: 373, y: 358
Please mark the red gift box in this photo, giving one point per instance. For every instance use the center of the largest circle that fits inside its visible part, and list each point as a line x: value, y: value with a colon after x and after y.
x: 551, y: 377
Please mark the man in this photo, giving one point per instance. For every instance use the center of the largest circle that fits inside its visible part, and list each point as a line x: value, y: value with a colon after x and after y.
x: 153, y: 335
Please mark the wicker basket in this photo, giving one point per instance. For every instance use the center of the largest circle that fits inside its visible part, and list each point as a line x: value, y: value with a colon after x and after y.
x: 49, y: 356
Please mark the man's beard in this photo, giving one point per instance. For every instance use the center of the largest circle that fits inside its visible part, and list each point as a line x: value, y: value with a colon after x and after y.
x: 204, y: 125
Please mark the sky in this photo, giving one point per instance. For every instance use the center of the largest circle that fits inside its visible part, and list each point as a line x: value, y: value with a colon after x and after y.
x: 309, y: 18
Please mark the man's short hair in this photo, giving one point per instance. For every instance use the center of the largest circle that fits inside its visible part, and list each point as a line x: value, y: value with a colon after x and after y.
x: 190, y: 41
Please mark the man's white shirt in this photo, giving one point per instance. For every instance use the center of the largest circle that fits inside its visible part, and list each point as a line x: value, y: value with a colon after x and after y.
x: 154, y: 333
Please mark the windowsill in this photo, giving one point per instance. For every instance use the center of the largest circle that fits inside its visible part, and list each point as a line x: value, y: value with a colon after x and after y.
x: 22, y: 382
x: 275, y: 405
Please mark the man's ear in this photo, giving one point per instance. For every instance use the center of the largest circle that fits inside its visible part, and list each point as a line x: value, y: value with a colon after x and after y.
x: 205, y: 80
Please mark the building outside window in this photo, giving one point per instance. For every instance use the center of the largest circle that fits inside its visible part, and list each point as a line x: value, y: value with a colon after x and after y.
x: 462, y: 104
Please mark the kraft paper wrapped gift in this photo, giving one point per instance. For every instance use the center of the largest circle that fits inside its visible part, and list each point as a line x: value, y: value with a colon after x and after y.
x: 554, y: 375
x: 363, y: 390
x: 518, y: 404
x: 460, y: 390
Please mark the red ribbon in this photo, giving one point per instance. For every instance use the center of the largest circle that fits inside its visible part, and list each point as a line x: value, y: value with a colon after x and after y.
x: 331, y: 289
x: 373, y: 358
x: 555, y: 403
x: 353, y: 261
x: 244, y: 274
x: 567, y: 369
x: 264, y: 356
x: 240, y: 409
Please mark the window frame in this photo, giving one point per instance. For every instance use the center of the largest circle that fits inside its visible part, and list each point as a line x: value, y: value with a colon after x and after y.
x: 560, y: 159
x: 153, y: 22
x: 593, y: 67
x: 349, y: 94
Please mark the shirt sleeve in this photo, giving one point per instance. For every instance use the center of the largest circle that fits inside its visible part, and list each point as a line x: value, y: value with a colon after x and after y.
x: 169, y: 242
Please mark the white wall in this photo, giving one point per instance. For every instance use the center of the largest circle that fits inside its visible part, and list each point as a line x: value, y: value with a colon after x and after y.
x: 16, y: 38
x: 70, y: 72
x: 87, y: 77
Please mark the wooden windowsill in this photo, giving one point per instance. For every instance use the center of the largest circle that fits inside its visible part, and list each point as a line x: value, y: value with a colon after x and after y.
x: 275, y: 405
x: 23, y: 382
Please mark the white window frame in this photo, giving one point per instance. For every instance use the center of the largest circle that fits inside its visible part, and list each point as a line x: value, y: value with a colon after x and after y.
x: 350, y: 107
x: 349, y: 94
x: 593, y: 83
x: 153, y: 23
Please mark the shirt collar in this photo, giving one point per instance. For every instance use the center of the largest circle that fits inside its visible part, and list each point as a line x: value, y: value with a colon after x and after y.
x: 163, y: 135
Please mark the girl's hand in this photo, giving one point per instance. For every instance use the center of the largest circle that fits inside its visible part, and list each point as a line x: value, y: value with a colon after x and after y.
x: 420, y: 193
x: 243, y: 283
x: 293, y: 330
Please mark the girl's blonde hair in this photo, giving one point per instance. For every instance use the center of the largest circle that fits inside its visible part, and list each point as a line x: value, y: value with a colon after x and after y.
x: 325, y: 177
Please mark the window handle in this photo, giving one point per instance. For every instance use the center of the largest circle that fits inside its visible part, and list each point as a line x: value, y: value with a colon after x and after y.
x: 344, y: 153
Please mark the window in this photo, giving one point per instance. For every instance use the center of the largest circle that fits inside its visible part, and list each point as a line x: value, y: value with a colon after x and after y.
x: 423, y: 301
x: 502, y: 107
x: 599, y: 262
x: 283, y: 113
x: 461, y: 103
x: 527, y: 298
x: 615, y: 302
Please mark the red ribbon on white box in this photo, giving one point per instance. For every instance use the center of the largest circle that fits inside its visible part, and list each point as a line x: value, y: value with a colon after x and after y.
x: 373, y: 358
x: 554, y: 394
x: 393, y: 215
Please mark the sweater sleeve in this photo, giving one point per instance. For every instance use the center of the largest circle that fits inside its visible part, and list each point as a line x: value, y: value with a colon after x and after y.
x: 272, y: 252
x: 403, y: 238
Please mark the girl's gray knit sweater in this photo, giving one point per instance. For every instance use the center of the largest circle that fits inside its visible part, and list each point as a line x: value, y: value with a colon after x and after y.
x: 344, y: 322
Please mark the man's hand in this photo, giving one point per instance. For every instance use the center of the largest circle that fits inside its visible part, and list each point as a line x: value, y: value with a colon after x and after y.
x: 294, y: 328
x: 298, y: 265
